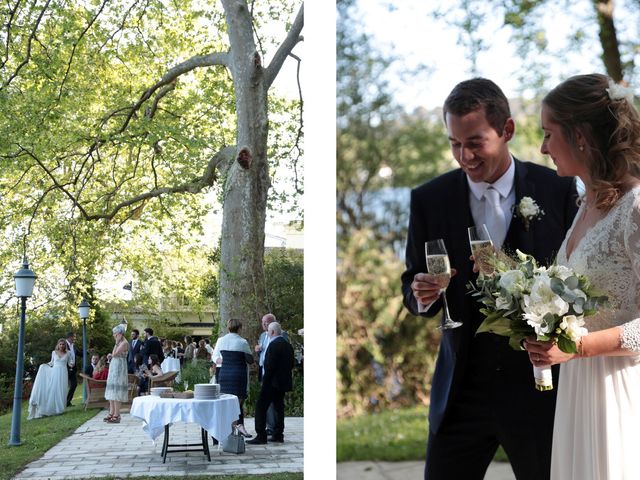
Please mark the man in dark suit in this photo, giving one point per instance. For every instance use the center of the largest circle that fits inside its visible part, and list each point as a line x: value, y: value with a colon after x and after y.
x: 135, y: 345
x: 276, y: 381
x: 76, y: 355
x: 483, y: 392
x: 151, y: 345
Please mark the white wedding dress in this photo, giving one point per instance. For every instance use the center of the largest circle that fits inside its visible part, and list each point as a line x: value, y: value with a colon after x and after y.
x: 49, y: 393
x: 597, y: 420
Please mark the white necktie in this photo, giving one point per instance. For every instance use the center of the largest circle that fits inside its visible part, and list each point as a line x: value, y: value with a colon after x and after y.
x: 494, y: 217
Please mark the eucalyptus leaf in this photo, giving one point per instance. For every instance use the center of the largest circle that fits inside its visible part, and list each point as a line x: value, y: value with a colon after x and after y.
x: 568, y: 296
x: 572, y: 282
x: 557, y: 286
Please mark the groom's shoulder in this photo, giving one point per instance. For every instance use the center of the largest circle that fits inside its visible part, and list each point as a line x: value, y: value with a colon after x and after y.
x: 442, y: 182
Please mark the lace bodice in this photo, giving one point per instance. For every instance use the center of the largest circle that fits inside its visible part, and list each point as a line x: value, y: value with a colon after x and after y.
x: 66, y: 358
x: 609, y: 255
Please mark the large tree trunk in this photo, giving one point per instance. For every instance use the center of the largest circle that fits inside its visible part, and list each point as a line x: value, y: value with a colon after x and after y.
x: 609, y: 39
x: 242, y: 289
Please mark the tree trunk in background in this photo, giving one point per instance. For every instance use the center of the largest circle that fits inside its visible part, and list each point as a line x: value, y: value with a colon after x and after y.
x: 609, y: 39
x: 242, y: 289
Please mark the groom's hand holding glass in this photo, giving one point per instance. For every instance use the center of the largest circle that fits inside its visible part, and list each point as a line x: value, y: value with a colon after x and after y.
x: 427, y: 288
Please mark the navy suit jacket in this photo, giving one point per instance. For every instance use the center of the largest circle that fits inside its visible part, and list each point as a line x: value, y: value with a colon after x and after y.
x: 440, y: 209
x: 132, y: 353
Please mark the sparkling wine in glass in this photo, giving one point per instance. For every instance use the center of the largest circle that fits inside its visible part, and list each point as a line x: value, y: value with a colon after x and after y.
x: 482, y: 248
x: 439, y: 266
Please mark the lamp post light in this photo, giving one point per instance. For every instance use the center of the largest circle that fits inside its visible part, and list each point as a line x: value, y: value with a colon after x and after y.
x: 83, y: 311
x: 25, y: 280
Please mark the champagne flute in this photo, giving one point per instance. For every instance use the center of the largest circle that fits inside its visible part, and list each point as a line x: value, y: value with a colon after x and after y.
x: 481, y: 248
x: 439, y: 266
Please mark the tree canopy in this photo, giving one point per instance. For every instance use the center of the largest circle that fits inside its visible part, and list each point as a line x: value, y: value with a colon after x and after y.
x: 118, y: 116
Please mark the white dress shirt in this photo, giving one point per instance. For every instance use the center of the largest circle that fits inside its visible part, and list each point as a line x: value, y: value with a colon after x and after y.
x: 505, y: 186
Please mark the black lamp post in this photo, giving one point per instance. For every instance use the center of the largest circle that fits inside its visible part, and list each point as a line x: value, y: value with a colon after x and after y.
x: 25, y: 280
x: 83, y: 311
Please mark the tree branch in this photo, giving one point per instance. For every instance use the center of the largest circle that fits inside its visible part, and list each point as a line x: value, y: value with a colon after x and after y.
x: 291, y: 40
x: 171, y: 76
x: 221, y: 159
x: 76, y: 43
x: 9, y: 26
x: 28, y: 56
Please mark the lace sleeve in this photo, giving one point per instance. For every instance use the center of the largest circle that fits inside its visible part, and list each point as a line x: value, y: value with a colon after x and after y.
x: 630, y: 334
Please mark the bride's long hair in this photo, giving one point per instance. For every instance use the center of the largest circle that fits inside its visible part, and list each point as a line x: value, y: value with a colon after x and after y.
x: 64, y: 344
x: 610, y: 125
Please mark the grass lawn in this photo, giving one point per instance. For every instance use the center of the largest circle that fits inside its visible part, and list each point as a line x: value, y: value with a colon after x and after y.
x: 38, y: 436
x: 390, y: 436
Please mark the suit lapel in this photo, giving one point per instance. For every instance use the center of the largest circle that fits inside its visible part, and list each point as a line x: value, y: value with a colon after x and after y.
x: 517, y: 236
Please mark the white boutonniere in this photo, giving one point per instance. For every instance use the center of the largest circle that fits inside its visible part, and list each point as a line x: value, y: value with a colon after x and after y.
x: 527, y: 210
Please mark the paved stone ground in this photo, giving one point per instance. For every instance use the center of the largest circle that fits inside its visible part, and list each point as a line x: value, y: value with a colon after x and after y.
x: 98, y: 449
x: 406, y: 471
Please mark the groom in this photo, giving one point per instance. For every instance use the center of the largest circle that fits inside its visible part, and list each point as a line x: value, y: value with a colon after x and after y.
x: 483, y: 392
x: 75, y: 354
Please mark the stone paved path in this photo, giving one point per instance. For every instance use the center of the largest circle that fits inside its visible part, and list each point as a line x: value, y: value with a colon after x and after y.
x: 98, y: 449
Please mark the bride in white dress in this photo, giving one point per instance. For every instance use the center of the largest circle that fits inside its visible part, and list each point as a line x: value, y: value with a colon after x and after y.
x: 49, y: 393
x: 592, y: 130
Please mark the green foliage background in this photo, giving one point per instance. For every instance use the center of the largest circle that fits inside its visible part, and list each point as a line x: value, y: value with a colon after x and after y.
x: 385, y: 356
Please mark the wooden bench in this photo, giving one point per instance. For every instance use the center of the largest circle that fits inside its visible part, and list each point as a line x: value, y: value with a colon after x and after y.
x: 164, y: 380
x: 96, y: 388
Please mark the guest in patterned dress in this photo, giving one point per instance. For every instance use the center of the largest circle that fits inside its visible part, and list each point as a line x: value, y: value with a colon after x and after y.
x: 235, y: 354
x: 117, y: 382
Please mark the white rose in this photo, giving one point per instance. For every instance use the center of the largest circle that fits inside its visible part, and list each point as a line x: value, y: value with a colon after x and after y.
x: 573, y: 326
x: 561, y: 272
x: 542, y: 301
x: 513, y: 281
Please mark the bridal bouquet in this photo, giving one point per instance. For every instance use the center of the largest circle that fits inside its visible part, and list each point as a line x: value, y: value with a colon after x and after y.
x: 523, y: 300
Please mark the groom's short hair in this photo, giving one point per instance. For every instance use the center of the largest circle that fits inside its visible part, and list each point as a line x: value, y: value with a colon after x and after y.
x: 475, y: 94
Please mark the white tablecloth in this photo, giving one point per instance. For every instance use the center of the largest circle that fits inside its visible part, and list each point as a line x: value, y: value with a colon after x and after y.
x: 170, y: 365
x: 215, y: 416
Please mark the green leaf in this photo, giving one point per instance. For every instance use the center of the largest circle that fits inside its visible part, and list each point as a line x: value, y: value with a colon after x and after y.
x: 557, y: 286
x: 572, y: 282
x: 568, y: 296
x: 515, y: 341
x: 499, y: 326
x: 566, y: 344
